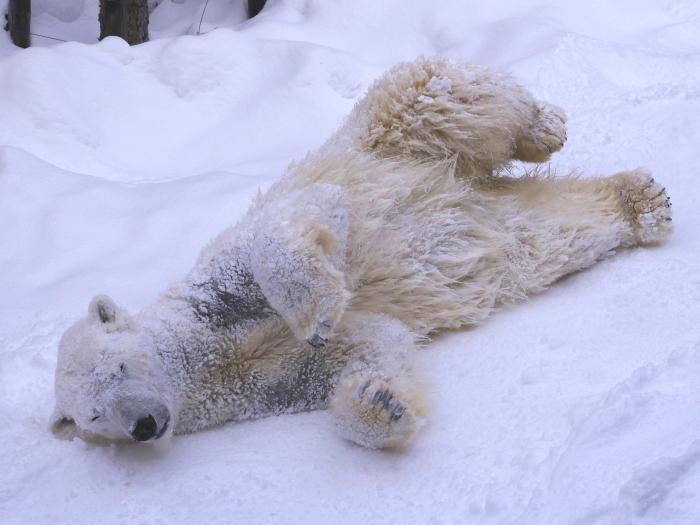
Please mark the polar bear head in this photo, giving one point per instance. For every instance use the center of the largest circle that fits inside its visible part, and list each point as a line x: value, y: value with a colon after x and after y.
x: 108, y: 384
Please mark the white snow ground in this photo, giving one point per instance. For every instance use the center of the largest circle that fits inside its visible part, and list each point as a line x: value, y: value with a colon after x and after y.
x: 118, y: 164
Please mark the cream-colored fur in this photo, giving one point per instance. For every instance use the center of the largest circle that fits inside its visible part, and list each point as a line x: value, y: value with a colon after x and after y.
x: 397, y: 227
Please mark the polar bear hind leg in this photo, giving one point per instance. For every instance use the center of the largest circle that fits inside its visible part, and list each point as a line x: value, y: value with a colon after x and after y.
x: 565, y: 224
x: 432, y: 109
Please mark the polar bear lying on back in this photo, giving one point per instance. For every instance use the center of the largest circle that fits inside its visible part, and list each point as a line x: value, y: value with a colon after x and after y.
x: 397, y: 227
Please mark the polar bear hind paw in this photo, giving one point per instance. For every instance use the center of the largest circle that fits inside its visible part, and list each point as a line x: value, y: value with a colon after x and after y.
x: 646, y: 204
x: 545, y: 135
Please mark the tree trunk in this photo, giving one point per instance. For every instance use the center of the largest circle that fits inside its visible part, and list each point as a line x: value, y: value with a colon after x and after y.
x: 127, y: 19
x: 18, y: 18
x: 254, y: 7
x: 137, y: 26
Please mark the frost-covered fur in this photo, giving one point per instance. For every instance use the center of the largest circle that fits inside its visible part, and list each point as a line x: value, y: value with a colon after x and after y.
x: 399, y: 226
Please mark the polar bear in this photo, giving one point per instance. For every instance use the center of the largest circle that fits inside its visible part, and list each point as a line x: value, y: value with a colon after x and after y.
x: 402, y: 224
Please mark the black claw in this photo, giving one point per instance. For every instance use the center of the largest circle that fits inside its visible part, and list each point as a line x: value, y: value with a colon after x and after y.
x: 386, y: 399
x: 317, y: 341
x: 382, y: 396
x: 397, y: 413
x: 364, y: 388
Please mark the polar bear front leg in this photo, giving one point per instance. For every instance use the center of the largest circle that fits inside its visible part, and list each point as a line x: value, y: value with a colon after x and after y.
x: 301, y: 284
x: 377, y: 402
x: 298, y: 256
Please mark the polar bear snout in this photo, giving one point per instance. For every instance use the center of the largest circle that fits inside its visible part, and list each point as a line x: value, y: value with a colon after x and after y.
x: 143, y: 418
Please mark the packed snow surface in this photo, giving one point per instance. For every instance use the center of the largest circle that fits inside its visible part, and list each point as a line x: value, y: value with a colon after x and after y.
x: 118, y: 164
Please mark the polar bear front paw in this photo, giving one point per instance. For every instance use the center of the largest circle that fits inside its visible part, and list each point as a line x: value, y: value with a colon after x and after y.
x: 544, y: 136
x: 375, y: 414
x: 646, y: 205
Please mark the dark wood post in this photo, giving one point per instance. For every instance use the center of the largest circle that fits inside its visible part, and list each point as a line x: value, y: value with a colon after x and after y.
x: 127, y: 19
x: 110, y: 17
x: 19, y: 13
x: 254, y: 7
x: 137, y: 25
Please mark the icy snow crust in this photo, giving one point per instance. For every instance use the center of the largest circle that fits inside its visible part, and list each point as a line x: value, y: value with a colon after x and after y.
x: 118, y: 164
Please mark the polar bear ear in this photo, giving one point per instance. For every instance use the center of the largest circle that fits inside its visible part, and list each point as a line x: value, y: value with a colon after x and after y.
x: 103, y: 309
x: 62, y: 426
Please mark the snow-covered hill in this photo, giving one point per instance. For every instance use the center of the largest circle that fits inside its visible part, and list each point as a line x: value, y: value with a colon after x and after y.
x: 118, y: 164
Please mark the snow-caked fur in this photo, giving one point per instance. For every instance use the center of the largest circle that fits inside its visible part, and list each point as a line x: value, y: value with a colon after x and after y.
x: 402, y: 224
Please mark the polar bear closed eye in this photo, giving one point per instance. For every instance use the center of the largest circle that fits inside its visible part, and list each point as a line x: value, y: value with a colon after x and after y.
x: 397, y: 227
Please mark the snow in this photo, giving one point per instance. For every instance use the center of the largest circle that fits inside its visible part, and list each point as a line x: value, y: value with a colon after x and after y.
x: 118, y: 164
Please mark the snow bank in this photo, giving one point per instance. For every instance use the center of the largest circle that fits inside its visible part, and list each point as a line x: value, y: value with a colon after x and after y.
x: 117, y: 165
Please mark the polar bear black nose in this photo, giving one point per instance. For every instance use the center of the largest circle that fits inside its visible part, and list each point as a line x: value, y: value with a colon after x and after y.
x: 142, y: 417
x: 145, y: 428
